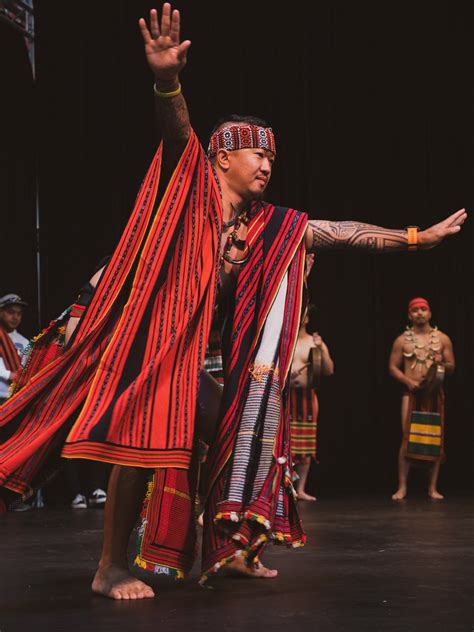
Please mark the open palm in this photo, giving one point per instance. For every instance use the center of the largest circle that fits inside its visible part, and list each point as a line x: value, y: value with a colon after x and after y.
x: 165, y: 53
x: 432, y: 236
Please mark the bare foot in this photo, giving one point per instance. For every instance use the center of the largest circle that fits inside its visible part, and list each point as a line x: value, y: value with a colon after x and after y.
x: 305, y: 496
x: 400, y: 494
x: 117, y: 583
x: 239, y: 567
x: 435, y: 495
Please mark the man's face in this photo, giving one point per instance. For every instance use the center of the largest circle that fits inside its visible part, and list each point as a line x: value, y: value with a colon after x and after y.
x: 10, y: 316
x: 419, y: 315
x: 249, y: 171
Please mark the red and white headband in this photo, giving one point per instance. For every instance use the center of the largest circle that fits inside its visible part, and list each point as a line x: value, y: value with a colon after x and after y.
x: 232, y: 137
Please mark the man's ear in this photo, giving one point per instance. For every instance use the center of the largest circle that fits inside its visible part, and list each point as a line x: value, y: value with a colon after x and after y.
x: 222, y: 159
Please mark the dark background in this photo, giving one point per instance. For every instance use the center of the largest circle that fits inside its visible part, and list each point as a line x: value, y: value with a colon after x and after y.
x: 372, y: 106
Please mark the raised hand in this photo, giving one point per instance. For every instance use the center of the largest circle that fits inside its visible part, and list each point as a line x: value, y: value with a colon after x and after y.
x: 165, y: 53
x: 431, y: 237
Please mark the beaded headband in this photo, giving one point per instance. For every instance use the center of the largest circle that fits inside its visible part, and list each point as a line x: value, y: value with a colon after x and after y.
x: 232, y: 137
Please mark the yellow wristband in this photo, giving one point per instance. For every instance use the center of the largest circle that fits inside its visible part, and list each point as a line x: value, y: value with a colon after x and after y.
x: 412, y: 234
x: 167, y: 95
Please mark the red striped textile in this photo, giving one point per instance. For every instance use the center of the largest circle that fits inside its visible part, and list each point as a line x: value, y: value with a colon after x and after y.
x: 303, y: 422
x: 77, y: 311
x: 8, y: 352
x: 167, y: 537
x: 42, y: 350
x: 126, y: 389
x: 277, y: 249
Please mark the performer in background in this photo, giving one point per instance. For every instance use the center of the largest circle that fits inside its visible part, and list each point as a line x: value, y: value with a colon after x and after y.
x: 311, y: 360
x: 12, y: 343
x: 139, y: 347
x: 419, y: 359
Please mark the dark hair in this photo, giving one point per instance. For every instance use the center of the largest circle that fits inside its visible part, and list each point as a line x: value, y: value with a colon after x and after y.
x: 237, y: 118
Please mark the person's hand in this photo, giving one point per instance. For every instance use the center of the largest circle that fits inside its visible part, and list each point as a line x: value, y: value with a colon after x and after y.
x: 412, y: 385
x: 165, y: 53
x: 317, y: 340
x: 437, y: 357
x: 431, y: 237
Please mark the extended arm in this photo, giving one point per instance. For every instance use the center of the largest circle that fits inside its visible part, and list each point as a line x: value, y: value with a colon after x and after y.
x: 166, y: 56
x: 327, y: 235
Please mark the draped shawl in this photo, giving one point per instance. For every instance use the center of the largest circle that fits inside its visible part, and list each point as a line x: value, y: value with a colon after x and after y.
x: 275, y: 239
x: 125, y: 391
x: 241, y: 519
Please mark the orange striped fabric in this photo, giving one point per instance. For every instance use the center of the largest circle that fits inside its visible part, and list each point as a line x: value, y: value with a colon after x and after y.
x: 126, y: 389
x: 303, y: 422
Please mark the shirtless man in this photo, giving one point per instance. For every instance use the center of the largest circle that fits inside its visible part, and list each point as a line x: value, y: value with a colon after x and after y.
x: 304, y: 402
x: 412, y: 355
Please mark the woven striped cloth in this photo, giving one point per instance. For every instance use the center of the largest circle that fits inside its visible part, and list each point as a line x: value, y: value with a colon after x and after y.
x: 125, y: 391
x: 303, y: 422
x: 250, y: 499
x: 8, y: 352
x: 213, y: 358
x: 424, y: 437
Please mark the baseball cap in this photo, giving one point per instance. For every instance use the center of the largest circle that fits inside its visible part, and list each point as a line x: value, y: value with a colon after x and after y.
x: 11, y: 299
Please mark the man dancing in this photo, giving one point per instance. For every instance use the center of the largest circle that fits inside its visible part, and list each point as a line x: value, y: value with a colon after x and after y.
x: 415, y: 355
x: 125, y: 391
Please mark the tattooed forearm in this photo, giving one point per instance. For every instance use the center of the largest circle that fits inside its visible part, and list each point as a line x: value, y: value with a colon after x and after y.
x: 325, y: 235
x: 173, y: 119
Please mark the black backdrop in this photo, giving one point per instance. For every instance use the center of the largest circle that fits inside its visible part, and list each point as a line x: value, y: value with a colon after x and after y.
x: 372, y: 106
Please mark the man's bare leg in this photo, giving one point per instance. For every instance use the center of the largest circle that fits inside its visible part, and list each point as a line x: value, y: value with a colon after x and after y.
x: 403, y: 469
x: 433, y: 483
x: 403, y: 463
x: 302, y: 470
x: 125, y: 494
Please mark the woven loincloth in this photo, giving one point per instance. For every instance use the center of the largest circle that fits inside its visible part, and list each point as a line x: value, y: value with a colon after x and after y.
x: 423, y: 437
x: 303, y: 422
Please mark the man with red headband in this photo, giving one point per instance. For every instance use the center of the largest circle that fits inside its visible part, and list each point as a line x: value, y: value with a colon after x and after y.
x: 420, y: 357
x: 125, y: 390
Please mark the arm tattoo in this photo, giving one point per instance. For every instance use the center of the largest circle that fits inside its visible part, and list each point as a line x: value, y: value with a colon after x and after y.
x: 173, y: 119
x: 354, y: 235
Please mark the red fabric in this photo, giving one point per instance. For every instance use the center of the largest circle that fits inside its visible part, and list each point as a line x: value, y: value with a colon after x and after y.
x: 303, y: 423
x: 276, y: 236
x: 240, y: 136
x: 8, y: 351
x: 418, y: 302
x: 77, y: 310
x: 128, y: 384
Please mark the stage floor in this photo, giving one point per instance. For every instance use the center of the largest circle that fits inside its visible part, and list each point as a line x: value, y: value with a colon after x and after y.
x: 371, y: 564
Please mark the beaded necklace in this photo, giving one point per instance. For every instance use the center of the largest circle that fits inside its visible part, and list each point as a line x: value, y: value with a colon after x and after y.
x: 431, y: 348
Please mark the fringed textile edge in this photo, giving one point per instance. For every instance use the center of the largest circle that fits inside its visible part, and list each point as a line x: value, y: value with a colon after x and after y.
x: 275, y: 537
x: 139, y: 561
